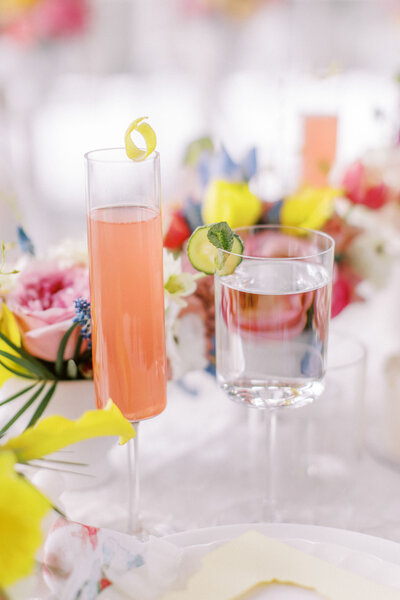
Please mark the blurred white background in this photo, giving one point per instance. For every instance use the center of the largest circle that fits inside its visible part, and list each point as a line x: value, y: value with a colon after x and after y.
x: 244, y: 72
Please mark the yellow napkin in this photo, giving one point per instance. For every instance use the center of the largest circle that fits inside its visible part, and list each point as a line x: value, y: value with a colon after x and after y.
x: 254, y: 560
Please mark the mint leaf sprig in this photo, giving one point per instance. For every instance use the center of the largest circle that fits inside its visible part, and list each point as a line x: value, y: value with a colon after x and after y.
x: 221, y: 236
x: 215, y: 249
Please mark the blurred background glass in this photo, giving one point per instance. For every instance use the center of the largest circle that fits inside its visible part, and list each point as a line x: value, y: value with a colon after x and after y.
x: 320, y: 447
x: 74, y: 73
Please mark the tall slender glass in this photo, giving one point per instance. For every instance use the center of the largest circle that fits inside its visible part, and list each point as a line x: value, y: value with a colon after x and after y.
x: 127, y: 291
x: 272, y: 318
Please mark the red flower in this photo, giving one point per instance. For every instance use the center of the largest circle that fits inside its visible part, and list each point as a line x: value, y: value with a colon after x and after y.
x: 363, y: 186
x: 341, y: 294
x: 344, y: 284
x: 104, y: 583
x: 178, y: 232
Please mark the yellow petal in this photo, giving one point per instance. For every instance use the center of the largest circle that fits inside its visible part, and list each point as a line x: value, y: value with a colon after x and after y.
x: 230, y: 202
x: 310, y: 207
x: 53, y: 433
x: 9, y: 328
x: 149, y: 136
x: 22, y: 508
x: 182, y: 284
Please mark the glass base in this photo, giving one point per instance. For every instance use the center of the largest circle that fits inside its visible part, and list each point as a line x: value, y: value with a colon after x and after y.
x: 262, y: 395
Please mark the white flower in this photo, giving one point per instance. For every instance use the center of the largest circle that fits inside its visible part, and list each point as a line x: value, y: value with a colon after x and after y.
x: 369, y: 257
x: 187, y: 345
x: 186, y: 334
x: 177, y: 284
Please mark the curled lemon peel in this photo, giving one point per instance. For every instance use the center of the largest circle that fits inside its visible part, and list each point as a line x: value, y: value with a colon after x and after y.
x: 134, y: 152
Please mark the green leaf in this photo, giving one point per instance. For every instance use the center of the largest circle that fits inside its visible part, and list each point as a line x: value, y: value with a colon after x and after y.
x: 77, y: 349
x: 22, y: 410
x: 221, y: 236
x: 22, y: 352
x: 18, y: 373
x: 43, y: 405
x: 20, y: 393
x: 59, y: 366
x: 26, y: 364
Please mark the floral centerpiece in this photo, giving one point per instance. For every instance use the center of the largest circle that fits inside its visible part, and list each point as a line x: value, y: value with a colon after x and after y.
x: 220, y: 189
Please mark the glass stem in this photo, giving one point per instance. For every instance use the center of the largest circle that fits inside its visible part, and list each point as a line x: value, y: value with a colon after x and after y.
x: 133, y: 482
x: 269, y: 501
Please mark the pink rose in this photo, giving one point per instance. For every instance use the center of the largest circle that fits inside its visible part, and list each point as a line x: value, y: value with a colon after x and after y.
x: 269, y: 317
x: 43, y: 305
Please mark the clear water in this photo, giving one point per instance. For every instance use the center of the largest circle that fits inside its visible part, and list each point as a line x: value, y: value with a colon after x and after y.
x: 271, y: 331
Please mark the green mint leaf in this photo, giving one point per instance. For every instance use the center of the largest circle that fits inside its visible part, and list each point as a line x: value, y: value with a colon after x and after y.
x: 221, y: 236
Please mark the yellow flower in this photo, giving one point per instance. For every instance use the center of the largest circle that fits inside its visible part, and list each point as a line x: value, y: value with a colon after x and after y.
x: 56, y: 432
x: 230, y: 202
x: 22, y: 508
x: 9, y: 328
x: 310, y: 207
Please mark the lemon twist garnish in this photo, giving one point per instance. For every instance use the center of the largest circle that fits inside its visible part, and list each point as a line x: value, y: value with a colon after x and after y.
x: 149, y: 136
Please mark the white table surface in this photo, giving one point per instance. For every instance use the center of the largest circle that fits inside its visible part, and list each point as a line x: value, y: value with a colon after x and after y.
x: 203, y: 464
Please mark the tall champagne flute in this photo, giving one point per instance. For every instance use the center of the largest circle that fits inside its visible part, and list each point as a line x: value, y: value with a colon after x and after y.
x: 272, y: 320
x: 127, y: 292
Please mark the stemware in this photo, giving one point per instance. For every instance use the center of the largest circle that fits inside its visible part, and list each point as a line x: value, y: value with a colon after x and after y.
x: 272, y: 320
x: 127, y: 293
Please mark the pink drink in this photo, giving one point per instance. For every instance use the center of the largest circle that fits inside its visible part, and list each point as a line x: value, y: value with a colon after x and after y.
x: 127, y: 295
x: 319, y: 150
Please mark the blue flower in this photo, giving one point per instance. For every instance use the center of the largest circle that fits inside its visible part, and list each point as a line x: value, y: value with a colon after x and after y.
x: 25, y: 242
x: 219, y: 165
x: 83, y: 318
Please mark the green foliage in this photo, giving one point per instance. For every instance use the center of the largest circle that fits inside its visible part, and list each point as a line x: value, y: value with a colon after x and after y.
x: 44, y: 376
x: 221, y: 236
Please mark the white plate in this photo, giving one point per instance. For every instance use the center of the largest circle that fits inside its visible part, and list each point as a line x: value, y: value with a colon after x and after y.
x: 374, y: 558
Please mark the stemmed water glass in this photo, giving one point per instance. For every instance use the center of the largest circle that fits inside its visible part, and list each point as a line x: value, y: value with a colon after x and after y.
x: 272, y: 319
x: 127, y: 293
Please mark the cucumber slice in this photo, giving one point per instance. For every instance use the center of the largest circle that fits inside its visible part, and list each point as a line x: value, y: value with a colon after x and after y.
x: 208, y: 259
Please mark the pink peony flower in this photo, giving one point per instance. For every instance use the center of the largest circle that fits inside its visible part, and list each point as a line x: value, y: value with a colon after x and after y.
x: 43, y: 305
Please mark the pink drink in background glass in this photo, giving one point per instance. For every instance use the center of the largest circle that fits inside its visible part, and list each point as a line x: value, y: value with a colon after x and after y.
x: 127, y: 292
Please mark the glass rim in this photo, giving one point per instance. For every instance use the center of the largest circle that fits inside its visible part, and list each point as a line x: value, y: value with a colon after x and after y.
x: 360, y: 356
x: 90, y: 156
x: 315, y: 232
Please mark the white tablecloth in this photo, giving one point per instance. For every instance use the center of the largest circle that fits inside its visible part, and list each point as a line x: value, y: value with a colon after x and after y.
x: 203, y: 461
